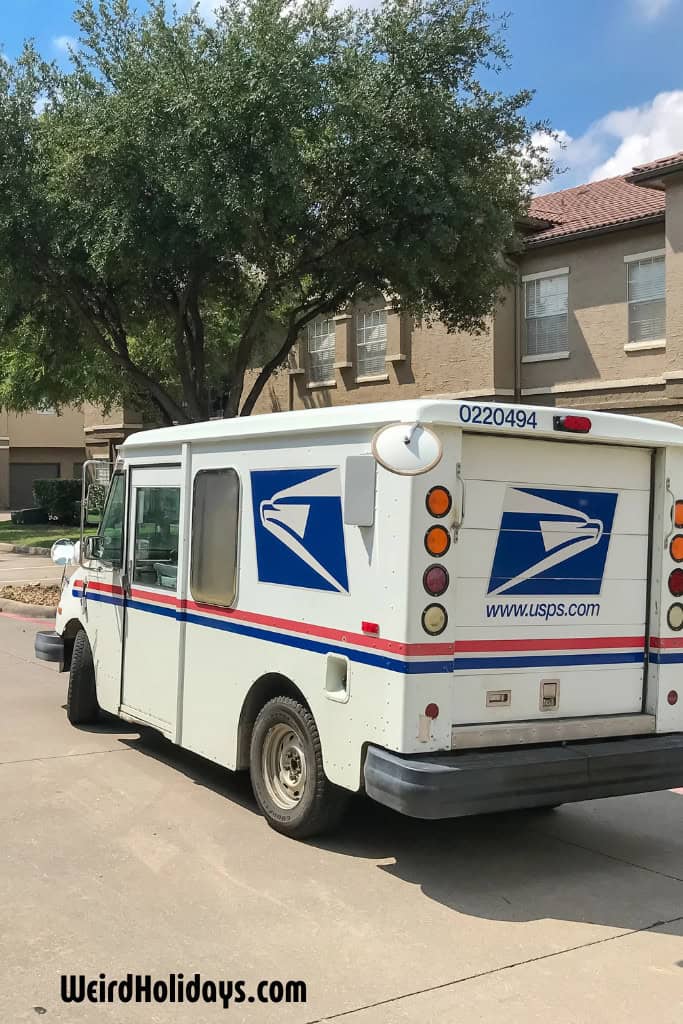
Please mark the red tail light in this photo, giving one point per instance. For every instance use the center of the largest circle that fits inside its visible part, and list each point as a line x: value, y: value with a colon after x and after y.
x: 572, y: 424
x: 435, y: 580
x: 676, y: 582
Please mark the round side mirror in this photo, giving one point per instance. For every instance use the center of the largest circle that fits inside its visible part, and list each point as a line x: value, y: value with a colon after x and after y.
x: 63, y: 552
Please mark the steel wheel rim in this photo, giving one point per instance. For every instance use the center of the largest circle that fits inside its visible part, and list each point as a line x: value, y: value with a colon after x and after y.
x: 283, y: 765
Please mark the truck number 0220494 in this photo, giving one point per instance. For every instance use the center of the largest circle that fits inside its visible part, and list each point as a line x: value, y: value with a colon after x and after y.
x: 497, y: 416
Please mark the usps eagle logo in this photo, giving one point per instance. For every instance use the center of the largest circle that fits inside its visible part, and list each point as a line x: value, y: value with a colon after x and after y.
x: 299, y: 528
x: 552, y: 541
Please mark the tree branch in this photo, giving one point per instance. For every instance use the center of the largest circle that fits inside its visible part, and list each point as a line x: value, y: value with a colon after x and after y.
x: 252, y: 327
x: 293, y: 331
x: 178, y: 303
x: 118, y: 352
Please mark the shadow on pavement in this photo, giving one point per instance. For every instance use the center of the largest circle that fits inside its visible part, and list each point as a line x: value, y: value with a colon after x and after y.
x: 524, y: 865
x: 515, y: 867
x: 231, y: 785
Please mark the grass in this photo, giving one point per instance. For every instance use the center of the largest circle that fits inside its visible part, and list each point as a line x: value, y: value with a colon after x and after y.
x: 39, y: 535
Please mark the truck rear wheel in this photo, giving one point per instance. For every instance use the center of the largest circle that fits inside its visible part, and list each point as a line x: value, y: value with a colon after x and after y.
x: 81, y: 700
x: 286, y: 768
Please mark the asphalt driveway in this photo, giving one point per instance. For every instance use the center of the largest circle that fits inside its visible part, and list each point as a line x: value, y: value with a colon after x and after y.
x: 119, y: 853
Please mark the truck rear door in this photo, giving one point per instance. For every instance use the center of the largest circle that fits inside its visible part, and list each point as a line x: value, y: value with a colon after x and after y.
x: 551, y: 580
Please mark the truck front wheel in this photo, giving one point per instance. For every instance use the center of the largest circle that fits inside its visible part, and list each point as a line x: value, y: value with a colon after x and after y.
x: 286, y: 769
x: 81, y: 700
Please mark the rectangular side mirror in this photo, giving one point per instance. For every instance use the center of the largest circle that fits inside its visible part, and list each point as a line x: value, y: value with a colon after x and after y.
x: 93, y: 548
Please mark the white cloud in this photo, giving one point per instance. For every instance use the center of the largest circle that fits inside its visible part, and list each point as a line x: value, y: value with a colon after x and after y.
x: 650, y: 10
x: 207, y: 8
x: 618, y: 141
x: 62, y: 43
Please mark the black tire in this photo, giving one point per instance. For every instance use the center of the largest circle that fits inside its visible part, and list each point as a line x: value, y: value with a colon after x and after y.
x: 81, y: 699
x: 319, y: 805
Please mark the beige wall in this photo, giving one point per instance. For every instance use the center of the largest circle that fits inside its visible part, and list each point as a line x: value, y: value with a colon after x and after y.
x: 421, y: 360
x: 674, y: 276
x: 47, y: 430
x: 40, y: 438
x: 118, y: 418
x: 598, y: 311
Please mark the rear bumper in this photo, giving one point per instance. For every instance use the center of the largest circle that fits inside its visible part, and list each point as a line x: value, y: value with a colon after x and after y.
x: 49, y: 646
x: 478, y: 782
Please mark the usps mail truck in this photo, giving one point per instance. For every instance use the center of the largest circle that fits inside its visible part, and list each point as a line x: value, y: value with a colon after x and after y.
x: 454, y: 607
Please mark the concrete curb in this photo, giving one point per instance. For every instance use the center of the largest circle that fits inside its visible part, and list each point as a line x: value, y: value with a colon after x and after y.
x: 19, y: 549
x: 37, y: 611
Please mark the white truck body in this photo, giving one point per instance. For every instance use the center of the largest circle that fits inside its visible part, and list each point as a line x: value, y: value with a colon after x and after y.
x: 556, y: 674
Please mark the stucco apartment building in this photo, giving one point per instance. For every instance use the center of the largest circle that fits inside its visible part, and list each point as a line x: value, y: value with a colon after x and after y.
x: 46, y: 443
x: 595, y: 318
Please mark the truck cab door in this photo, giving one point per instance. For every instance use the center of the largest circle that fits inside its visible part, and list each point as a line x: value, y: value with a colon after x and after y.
x: 153, y: 623
x: 99, y: 585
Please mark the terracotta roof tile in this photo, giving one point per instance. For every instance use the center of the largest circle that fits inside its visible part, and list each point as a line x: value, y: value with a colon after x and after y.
x: 659, y: 165
x: 599, y: 204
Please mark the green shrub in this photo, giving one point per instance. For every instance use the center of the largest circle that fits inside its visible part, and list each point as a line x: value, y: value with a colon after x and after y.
x: 29, y: 516
x: 57, y: 498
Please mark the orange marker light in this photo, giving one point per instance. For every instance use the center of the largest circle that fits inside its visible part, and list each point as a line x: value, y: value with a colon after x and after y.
x: 676, y: 548
x: 437, y: 540
x: 678, y: 513
x: 439, y: 502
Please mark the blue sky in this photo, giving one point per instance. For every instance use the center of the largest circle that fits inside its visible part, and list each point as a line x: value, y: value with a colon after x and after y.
x: 608, y: 74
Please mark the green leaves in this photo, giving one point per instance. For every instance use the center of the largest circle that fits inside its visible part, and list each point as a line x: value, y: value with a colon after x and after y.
x: 181, y: 200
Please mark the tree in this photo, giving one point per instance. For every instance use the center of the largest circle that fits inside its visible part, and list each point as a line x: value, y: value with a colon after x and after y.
x: 182, y: 200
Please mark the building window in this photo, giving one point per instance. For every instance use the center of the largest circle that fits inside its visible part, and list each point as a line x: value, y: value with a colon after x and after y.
x: 371, y: 343
x: 646, y: 303
x: 320, y: 348
x: 545, y: 314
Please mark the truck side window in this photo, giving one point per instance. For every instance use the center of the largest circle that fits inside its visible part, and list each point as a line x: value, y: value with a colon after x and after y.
x: 215, y: 521
x: 157, y: 516
x: 110, y: 533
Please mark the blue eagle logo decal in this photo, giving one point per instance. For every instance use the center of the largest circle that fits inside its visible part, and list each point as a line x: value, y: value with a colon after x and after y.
x: 299, y: 528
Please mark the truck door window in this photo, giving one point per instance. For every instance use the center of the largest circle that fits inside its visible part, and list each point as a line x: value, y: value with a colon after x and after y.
x: 109, y: 545
x: 215, y: 521
x: 155, y: 551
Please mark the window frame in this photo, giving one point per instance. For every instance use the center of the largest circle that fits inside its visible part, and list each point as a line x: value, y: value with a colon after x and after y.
x: 362, y: 315
x: 238, y: 533
x: 148, y: 584
x: 632, y: 345
x: 550, y: 354
x: 118, y: 474
x: 322, y: 381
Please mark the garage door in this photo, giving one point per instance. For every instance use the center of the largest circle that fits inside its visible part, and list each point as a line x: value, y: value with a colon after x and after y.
x: 21, y: 477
